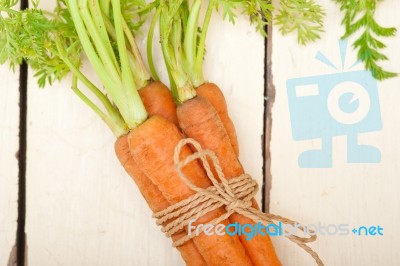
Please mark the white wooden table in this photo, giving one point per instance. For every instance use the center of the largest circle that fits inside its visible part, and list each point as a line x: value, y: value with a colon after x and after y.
x: 9, y: 113
x: 83, y: 209
x: 357, y: 194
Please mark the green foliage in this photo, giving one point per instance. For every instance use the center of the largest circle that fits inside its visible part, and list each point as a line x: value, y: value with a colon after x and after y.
x: 304, y: 17
x: 258, y: 11
x: 29, y: 35
x: 50, y: 44
x: 8, y: 3
x: 228, y: 9
x: 359, y: 17
x: 134, y: 12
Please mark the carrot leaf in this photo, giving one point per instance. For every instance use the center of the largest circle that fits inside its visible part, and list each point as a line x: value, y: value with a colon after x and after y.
x: 359, y: 16
x: 29, y: 35
x: 304, y: 17
x: 54, y: 43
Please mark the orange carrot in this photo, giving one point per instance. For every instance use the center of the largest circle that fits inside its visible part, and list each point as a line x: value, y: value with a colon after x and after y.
x: 197, y: 117
x: 154, y: 156
x: 158, y: 100
x: 200, y: 121
x: 154, y: 198
x: 214, y: 95
x: 150, y: 192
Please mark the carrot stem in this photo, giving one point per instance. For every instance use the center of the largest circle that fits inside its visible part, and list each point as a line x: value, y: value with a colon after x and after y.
x: 117, y: 130
x: 127, y: 79
x: 149, y: 46
x: 142, y: 74
x: 165, y: 23
x: 198, y: 77
x: 171, y: 32
x: 104, y: 100
x: 100, y: 32
x: 90, y: 51
x: 189, y: 42
x: 105, y: 7
x: 116, y: 76
x: 117, y: 124
x: 104, y: 53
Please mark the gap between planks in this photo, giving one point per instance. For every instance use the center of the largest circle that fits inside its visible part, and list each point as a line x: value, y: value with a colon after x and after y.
x: 23, y: 85
x: 269, y: 98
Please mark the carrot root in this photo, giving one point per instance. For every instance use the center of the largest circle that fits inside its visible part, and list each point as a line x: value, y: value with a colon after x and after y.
x: 154, y: 155
x: 212, y: 93
x: 154, y: 198
x: 158, y: 100
x: 199, y: 120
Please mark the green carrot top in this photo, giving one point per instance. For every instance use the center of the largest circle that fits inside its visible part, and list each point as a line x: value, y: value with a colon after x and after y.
x: 183, y: 32
x: 54, y: 43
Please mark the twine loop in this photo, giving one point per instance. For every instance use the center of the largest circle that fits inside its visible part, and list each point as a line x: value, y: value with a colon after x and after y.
x: 237, y: 204
x: 235, y: 195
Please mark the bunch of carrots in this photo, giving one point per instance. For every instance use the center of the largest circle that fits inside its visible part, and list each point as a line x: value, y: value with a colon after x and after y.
x: 147, y: 118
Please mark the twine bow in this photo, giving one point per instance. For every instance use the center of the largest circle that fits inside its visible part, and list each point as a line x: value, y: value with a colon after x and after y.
x: 235, y: 194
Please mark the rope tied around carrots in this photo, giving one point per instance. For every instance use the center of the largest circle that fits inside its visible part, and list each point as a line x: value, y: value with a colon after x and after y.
x: 235, y: 194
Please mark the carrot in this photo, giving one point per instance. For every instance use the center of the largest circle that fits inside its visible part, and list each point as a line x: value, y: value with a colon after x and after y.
x: 200, y: 121
x: 154, y: 198
x: 154, y: 156
x: 214, y: 95
x: 197, y: 117
x: 129, y: 108
x: 158, y: 100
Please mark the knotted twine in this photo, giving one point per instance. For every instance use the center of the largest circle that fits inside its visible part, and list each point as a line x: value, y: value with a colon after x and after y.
x: 235, y: 194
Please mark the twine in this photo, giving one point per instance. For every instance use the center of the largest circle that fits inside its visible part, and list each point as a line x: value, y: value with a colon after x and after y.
x: 235, y: 194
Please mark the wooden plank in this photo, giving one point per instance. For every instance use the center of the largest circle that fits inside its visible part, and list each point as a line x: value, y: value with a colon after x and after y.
x: 9, y: 122
x: 357, y: 194
x: 82, y: 208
